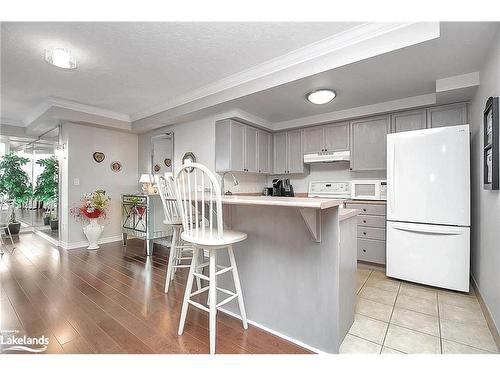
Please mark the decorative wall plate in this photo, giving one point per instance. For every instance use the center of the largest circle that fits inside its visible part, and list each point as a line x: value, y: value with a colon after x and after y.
x: 98, y: 156
x: 168, y: 162
x: 116, y: 166
x: 157, y: 168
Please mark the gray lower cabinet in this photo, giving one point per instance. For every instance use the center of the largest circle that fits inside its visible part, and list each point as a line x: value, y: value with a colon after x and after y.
x: 408, y: 120
x: 333, y: 137
x: 368, y: 143
x: 237, y: 147
x: 288, y: 153
x: 370, y: 231
x: 447, y: 115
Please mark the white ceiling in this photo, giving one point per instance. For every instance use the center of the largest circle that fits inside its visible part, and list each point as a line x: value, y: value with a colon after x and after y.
x: 408, y: 72
x: 131, y: 67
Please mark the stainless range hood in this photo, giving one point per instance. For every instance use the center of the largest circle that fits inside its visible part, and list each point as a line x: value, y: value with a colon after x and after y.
x: 327, y: 157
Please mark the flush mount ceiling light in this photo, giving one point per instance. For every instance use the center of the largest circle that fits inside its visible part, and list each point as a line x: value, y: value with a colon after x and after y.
x: 60, y: 57
x: 321, y: 96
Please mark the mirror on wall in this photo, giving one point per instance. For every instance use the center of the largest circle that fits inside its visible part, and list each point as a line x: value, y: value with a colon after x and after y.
x: 162, y: 153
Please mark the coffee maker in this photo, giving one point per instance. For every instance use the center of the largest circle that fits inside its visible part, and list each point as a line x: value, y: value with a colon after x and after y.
x: 282, y: 188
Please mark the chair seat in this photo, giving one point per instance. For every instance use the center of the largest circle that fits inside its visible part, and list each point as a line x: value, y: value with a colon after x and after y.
x: 176, y: 221
x: 229, y: 237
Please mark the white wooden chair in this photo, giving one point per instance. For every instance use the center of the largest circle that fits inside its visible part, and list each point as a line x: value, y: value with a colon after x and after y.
x: 196, y: 186
x: 181, y: 253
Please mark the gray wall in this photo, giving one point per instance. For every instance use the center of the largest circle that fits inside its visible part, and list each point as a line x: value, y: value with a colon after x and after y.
x: 485, y: 235
x: 81, y: 142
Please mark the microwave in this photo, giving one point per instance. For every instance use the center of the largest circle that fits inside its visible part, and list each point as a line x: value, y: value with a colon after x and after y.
x: 369, y: 189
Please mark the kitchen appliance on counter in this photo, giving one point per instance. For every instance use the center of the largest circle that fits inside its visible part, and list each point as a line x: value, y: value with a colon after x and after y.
x: 282, y: 188
x: 369, y: 189
x: 329, y: 189
x: 428, y: 206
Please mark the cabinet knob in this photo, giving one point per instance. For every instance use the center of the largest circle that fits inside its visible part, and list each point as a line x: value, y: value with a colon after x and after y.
x: 364, y: 233
x: 364, y: 209
x: 364, y: 251
x: 364, y: 221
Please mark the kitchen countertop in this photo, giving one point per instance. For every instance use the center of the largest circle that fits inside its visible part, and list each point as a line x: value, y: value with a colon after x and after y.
x: 299, y: 202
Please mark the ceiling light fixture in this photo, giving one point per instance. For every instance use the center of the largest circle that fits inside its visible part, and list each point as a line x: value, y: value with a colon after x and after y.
x: 60, y: 57
x: 321, y: 96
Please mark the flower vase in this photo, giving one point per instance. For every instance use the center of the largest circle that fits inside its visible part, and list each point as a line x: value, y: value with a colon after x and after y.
x: 93, y: 231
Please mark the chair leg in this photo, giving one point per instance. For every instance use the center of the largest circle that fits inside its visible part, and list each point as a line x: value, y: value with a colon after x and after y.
x: 10, y: 235
x: 187, y: 292
x: 237, y: 286
x: 171, y: 260
x: 212, y: 292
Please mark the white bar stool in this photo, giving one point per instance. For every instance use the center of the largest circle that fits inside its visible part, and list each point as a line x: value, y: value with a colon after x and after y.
x: 181, y: 253
x: 197, y: 187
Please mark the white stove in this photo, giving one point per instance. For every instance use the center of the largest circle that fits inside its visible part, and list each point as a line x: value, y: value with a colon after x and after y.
x: 330, y: 189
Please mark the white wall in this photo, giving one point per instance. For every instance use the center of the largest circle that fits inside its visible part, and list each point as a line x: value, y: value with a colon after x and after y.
x: 485, y: 235
x: 81, y: 142
x: 198, y: 137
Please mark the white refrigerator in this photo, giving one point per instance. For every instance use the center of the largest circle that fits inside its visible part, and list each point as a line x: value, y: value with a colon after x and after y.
x: 428, y: 206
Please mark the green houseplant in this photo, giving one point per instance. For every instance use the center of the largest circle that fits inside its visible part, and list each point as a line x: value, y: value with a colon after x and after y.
x: 15, y: 185
x: 46, y: 189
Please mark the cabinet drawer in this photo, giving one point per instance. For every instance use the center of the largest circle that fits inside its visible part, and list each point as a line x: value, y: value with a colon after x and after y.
x: 371, y: 251
x: 371, y: 221
x: 369, y: 209
x: 371, y: 233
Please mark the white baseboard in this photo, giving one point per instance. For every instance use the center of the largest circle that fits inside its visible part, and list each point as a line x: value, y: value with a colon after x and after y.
x: 80, y: 244
x: 46, y: 237
x: 273, y: 332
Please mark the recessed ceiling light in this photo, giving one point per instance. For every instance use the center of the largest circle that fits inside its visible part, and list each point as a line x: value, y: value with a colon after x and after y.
x: 60, y: 57
x: 321, y: 96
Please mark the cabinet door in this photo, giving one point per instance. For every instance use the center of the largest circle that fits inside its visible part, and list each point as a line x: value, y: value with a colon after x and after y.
x: 237, y: 145
x: 295, y: 155
x: 447, y: 115
x: 337, y: 137
x: 250, y: 149
x: 313, y: 140
x: 369, y: 143
x: 264, y: 147
x: 279, y: 152
x: 409, y: 120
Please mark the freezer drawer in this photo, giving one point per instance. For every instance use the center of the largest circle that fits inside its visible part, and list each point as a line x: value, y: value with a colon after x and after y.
x: 371, y: 251
x: 371, y: 233
x: 434, y: 255
x: 371, y: 221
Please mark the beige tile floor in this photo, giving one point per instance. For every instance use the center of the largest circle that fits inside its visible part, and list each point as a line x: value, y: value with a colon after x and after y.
x: 395, y: 317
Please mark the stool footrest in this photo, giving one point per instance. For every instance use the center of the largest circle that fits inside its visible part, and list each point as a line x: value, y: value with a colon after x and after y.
x: 201, y: 276
x: 199, y: 291
x: 198, y: 305
x: 223, y: 270
x: 228, y: 299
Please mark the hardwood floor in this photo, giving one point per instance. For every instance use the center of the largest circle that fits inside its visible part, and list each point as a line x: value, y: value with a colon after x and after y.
x: 111, y: 301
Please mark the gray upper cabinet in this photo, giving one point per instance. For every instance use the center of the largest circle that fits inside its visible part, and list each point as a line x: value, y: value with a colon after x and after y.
x: 250, y: 164
x: 408, y: 120
x: 237, y: 147
x: 337, y: 137
x: 334, y: 137
x: 295, y: 155
x: 368, y: 143
x: 279, y: 159
x: 264, y: 146
x: 313, y: 140
x: 289, y: 153
x: 447, y: 115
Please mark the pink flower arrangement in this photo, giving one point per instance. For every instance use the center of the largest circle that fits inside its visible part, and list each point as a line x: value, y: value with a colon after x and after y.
x: 91, y: 206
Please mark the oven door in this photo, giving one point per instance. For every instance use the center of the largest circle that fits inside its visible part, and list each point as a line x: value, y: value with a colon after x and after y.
x: 365, y: 190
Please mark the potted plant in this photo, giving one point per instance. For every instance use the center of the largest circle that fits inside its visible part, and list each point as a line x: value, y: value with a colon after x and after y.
x: 15, y: 185
x: 90, y: 208
x: 46, y: 190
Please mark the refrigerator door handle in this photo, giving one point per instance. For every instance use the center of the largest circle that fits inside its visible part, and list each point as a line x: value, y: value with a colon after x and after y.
x: 393, y: 179
x: 419, y: 229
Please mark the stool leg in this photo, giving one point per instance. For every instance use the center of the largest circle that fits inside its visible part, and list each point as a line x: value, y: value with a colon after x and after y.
x: 171, y: 260
x: 212, y: 292
x: 187, y: 293
x: 237, y: 286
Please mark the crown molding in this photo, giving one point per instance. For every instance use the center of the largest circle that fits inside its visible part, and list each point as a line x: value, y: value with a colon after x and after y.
x: 312, y: 51
x: 11, y: 122
x: 367, y: 110
x: 53, y: 102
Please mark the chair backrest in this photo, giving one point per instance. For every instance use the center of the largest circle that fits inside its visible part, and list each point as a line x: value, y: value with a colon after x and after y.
x: 197, y: 187
x: 168, y: 198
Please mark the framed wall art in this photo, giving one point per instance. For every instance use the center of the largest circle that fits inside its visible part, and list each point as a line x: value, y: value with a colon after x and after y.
x: 98, y: 156
x: 116, y: 166
x: 490, y: 152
